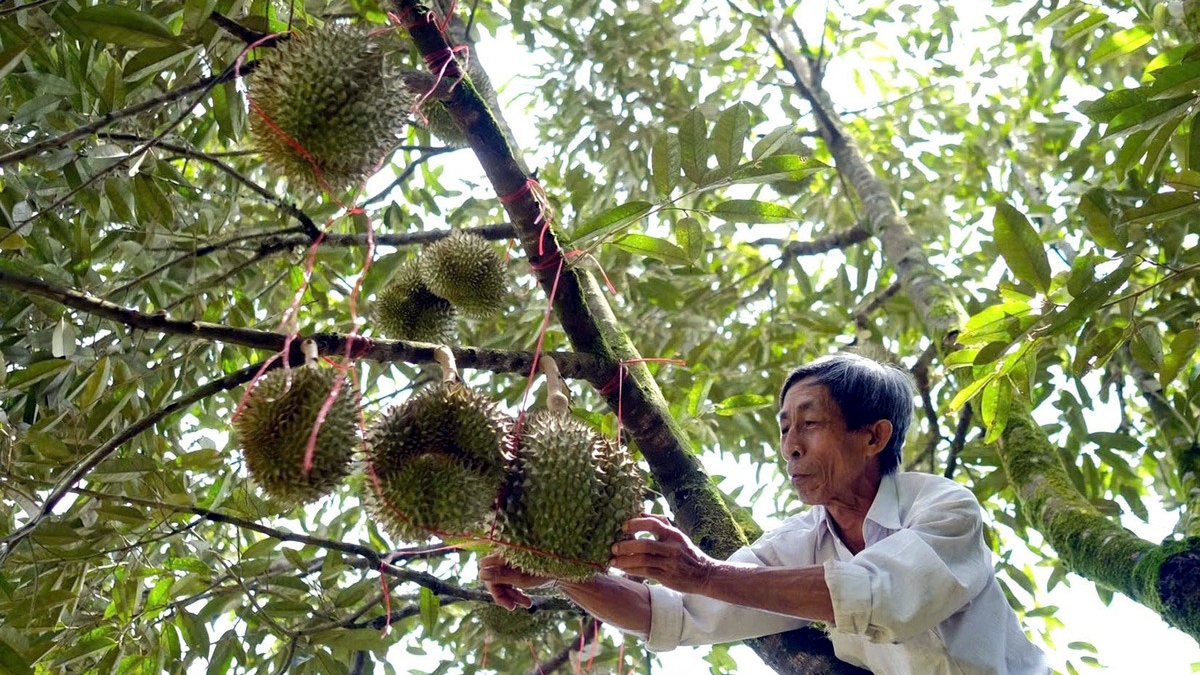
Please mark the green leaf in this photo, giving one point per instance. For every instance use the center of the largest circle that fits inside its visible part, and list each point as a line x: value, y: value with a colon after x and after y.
x: 123, y: 26
x: 11, y: 661
x: 1021, y: 247
x: 652, y: 247
x: 1091, y: 299
x: 752, y: 211
x: 36, y: 373
x: 10, y: 57
x: 694, y: 147
x: 741, y: 403
x: 1120, y: 43
x: 1098, y: 211
x: 665, y: 163
x: 777, y: 167
x: 1146, y: 348
x: 1187, y: 180
x: 729, y: 136
x: 968, y: 392
x: 607, y: 221
x: 430, y: 607
x: 1162, y: 206
x: 994, y: 407
x: 1105, y: 108
x: 1183, y: 346
x: 689, y: 235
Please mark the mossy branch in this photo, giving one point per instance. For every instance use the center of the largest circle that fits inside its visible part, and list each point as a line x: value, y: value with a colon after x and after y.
x: 1165, y: 578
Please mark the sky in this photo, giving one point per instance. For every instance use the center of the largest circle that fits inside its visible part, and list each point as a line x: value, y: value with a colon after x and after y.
x: 1128, y: 637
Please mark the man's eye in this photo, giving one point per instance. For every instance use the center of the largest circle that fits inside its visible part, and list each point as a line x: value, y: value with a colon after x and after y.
x: 783, y: 431
x: 811, y: 423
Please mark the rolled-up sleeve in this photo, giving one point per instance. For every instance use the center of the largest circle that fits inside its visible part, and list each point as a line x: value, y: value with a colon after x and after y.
x: 915, y: 578
x: 684, y: 619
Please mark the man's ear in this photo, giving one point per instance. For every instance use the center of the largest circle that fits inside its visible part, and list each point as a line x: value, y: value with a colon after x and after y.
x: 879, y: 433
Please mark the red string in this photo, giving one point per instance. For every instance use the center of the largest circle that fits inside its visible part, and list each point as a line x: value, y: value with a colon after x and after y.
x: 577, y: 253
x: 536, y: 664
x: 537, y: 349
x: 595, y: 637
x: 387, y: 600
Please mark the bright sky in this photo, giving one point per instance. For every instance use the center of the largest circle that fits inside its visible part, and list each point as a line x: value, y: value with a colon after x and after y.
x: 1129, y: 637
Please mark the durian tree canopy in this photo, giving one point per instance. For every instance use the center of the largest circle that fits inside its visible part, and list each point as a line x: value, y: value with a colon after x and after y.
x: 1002, y: 201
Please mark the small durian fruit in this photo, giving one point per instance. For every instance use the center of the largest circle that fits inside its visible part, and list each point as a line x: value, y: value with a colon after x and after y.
x: 437, y: 462
x: 515, y: 626
x: 276, y: 422
x: 327, y: 107
x: 407, y: 310
x: 467, y: 270
x: 567, y: 494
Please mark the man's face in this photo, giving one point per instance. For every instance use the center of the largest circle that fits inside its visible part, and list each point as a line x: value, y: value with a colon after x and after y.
x: 824, y: 459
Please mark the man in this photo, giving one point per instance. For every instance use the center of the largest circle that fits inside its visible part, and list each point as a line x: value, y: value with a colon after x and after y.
x: 894, y: 563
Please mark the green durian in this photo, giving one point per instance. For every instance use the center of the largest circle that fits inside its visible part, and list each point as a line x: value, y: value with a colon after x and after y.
x: 327, y: 107
x: 406, y: 309
x: 467, y: 270
x: 436, y: 462
x: 274, y: 426
x: 567, y: 493
x: 518, y: 625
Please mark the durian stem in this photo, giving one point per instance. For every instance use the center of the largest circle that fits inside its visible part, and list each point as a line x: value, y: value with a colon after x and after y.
x: 309, y: 349
x: 556, y: 398
x: 445, y: 359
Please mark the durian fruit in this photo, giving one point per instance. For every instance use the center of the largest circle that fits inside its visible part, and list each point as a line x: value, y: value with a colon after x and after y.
x: 568, y: 492
x: 407, y: 310
x: 467, y: 270
x: 436, y: 462
x: 276, y: 422
x: 327, y: 107
x: 518, y: 625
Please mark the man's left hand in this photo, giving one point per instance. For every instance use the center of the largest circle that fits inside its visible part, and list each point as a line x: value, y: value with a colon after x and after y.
x: 670, y: 558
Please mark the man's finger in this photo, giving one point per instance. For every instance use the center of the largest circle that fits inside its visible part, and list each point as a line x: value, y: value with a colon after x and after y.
x: 655, y: 525
x: 642, y: 546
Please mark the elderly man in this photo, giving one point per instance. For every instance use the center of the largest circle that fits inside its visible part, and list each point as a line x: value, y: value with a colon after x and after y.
x: 894, y: 563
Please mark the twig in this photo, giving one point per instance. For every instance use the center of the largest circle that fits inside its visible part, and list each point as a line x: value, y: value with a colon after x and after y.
x: 250, y: 37
x: 408, y: 172
x: 848, y: 237
x: 862, y: 319
x: 310, y: 228
x: 81, y: 468
x: 29, y: 5
x: 587, y: 635
x: 921, y: 374
x: 960, y: 440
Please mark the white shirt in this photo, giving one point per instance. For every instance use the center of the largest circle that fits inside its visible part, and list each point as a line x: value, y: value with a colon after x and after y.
x: 920, y: 599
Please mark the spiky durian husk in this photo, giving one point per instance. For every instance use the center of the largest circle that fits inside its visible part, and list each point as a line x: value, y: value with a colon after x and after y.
x: 519, y: 624
x: 407, y: 310
x: 467, y: 270
x: 437, y: 462
x: 274, y: 427
x: 328, y: 107
x: 568, y: 492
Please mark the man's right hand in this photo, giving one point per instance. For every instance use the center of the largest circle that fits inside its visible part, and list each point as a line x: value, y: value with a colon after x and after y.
x: 506, y: 583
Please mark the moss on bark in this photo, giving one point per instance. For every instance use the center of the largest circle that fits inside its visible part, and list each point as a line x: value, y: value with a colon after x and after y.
x: 1165, y: 578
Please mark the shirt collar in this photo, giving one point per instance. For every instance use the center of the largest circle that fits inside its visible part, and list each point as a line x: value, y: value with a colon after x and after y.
x: 884, y: 511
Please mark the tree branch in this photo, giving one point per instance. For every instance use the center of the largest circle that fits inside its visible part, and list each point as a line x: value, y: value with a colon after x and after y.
x: 572, y: 365
x: 587, y: 635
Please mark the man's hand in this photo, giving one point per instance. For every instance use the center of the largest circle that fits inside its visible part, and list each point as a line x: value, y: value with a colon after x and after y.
x: 506, y: 582
x: 670, y: 558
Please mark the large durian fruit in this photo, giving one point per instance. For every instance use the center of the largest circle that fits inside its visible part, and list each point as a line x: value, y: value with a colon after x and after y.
x: 327, y: 106
x: 276, y: 422
x: 568, y: 492
x: 436, y: 463
x: 407, y: 310
x: 467, y: 270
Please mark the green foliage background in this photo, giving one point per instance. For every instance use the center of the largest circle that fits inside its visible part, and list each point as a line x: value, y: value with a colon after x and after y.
x: 674, y: 150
